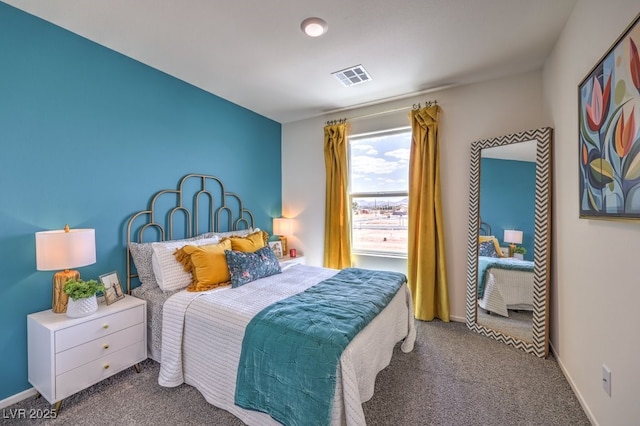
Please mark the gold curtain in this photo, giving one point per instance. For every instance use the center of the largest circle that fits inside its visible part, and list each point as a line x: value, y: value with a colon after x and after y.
x: 337, y: 219
x: 426, y: 264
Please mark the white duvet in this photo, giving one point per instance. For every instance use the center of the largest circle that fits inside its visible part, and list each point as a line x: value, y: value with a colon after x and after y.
x: 507, y: 289
x: 202, y: 339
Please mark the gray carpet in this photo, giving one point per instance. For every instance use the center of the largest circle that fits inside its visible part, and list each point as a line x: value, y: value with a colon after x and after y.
x: 453, y: 377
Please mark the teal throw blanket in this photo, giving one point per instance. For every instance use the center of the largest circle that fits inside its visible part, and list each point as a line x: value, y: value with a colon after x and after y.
x: 291, y: 349
x: 485, y: 263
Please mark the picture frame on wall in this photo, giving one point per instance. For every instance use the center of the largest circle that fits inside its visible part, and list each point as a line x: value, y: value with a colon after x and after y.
x: 112, y: 287
x: 609, y: 132
x: 276, y: 246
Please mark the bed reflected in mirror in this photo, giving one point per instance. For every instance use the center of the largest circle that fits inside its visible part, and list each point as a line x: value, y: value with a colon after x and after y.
x: 507, y: 207
x: 509, y: 239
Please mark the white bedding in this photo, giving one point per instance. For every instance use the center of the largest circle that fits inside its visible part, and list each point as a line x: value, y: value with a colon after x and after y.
x: 506, y: 289
x: 202, y: 338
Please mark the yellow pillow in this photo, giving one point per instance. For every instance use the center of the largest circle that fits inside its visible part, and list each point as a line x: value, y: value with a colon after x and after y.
x: 207, y: 264
x: 249, y: 244
x: 483, y: 238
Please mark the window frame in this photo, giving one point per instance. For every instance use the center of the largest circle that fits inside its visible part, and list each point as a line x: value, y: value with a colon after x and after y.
x: 376, y: 194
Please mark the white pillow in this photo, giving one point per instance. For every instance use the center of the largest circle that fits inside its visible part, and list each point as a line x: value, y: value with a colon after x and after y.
x: 169, y: 273
x: 142, y: 254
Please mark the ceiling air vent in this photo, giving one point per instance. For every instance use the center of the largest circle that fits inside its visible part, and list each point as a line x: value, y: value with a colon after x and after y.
x: 353, y: 75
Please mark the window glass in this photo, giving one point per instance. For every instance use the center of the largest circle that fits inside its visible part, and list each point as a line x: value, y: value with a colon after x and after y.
x: 379, y: 172
x: 380, y: 162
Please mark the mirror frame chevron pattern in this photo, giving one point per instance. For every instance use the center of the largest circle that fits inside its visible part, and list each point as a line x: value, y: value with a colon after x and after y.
x: 539, y: 346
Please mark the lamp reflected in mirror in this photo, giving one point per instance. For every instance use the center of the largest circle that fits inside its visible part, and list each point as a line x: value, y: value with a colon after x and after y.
x: 512, y: 237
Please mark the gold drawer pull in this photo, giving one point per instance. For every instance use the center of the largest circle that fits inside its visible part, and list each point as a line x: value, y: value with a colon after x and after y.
x: 105, y: 326
x: 105, y: 346
x: 106, y: 366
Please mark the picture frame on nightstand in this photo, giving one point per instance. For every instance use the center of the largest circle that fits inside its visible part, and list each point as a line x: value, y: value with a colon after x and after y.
x: 276, y: 246
x: 113, y: 289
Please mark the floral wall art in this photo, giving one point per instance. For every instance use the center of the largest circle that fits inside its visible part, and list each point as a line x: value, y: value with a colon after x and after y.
x: 609, y: 108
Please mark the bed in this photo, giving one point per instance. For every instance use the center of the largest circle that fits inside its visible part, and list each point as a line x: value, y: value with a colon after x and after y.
x: 204, y: 338
x: 503, y: 283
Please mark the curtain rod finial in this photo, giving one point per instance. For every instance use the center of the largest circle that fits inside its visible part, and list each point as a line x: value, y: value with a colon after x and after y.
x: 338, y: 121
x: 427, y: 104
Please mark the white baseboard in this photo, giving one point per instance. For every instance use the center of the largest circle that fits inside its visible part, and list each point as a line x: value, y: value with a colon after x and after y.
x: 575, y: 389
x: 17, y: 398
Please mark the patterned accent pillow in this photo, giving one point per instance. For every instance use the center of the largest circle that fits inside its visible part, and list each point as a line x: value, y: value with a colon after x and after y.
x: 141, y: 254
x: 246, y: 267
x: 487, y: 249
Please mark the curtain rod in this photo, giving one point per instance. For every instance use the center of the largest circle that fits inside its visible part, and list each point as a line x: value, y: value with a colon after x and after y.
x: 373, y: 114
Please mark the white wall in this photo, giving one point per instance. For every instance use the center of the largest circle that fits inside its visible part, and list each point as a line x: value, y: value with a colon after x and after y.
x: 595, y: 283
x: 469, y: 113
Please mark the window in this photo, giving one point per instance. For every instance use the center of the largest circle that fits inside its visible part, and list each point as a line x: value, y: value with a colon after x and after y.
x: 379, y: 191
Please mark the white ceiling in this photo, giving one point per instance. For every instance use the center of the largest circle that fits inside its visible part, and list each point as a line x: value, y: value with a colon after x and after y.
x: 254, y: 54
x: 520, y: 151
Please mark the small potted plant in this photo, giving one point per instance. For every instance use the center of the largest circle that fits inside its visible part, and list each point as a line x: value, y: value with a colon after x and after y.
x: 519, y: 252
x: 82, y: 297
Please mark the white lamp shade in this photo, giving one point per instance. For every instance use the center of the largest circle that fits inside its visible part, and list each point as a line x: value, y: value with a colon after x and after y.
x: 512, y: 236
x: 57, y: 250
x: 282, y: 226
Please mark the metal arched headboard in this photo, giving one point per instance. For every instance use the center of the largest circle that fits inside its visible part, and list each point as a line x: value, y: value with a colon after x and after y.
x: 182, y: 217
x: 483, y: 227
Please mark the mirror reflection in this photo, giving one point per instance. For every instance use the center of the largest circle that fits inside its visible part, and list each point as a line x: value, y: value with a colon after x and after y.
x: 506, y: 232
x: 509, y: 230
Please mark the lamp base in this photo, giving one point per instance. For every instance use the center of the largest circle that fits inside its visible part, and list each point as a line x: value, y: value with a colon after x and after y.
x: 283, y: 240
x: 60, y: 299
x: 512, y: 247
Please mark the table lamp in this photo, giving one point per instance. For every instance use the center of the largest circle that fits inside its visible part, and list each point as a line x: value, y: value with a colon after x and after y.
x: 513, y: 237
x: 61, y: 250
x: 282, y: 227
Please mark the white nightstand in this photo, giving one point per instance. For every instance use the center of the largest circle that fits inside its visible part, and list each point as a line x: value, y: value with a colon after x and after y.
x: 67, y: 355
x: 289, y: 261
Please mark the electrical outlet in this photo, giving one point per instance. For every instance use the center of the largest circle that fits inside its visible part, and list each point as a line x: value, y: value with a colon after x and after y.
x: 606, y: 379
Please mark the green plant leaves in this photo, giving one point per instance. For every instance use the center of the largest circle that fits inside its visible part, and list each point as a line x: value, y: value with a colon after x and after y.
x: 79, y: 289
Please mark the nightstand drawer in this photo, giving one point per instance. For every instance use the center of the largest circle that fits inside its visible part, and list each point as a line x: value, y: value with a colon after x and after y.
x: 82, y: 377
x: 90, y: 351
x: 99, y: 327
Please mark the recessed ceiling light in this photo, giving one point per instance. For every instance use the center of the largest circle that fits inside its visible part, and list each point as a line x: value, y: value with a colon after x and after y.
x: 314, y: 27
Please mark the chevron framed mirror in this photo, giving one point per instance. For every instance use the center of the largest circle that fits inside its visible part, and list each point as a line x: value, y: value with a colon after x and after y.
x: 509, y: 239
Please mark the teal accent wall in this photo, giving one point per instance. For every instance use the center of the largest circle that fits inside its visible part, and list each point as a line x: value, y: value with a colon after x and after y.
x: 87, y: 135
x: 507, y: 198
